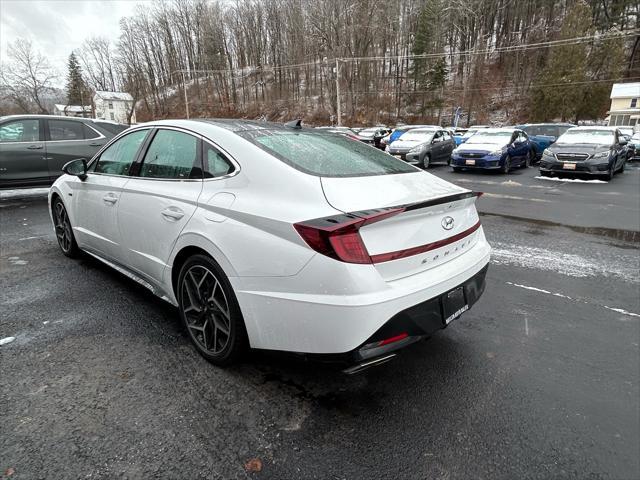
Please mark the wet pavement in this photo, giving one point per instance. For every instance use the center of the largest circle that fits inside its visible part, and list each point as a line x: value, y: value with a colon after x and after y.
x: 540, y: 379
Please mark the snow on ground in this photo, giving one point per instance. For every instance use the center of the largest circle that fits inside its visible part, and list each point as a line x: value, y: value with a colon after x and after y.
x: 6, y: 340
x: 570, y: 180
x: 23, y: 192
x: 569, y: 264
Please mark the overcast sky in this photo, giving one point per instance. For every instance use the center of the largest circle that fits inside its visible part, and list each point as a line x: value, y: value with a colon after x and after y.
x: 56, y: 28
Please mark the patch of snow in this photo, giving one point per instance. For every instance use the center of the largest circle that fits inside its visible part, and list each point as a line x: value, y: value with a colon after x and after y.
x: 569, y: 180
x: 23, y: 192
x: 622, y: 311
x: 5, y: 340
x: 572, y: 265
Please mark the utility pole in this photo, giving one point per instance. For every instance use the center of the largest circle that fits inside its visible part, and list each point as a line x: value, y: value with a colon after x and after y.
x: 186, y: 100
x: 339, y: 109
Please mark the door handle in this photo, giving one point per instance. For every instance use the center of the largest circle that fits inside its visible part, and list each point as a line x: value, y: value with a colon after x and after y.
x: 95, y: 144
x: 172, y: 213
x: 110, y: 198
x: 34, y: 147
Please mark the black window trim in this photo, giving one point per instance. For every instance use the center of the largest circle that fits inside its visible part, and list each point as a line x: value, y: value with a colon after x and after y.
x: 96, y: 158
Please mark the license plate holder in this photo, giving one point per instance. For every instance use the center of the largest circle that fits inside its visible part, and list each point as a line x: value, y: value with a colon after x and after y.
x: 469, y: 162
x: 569, y: 166
x: 454, y: 304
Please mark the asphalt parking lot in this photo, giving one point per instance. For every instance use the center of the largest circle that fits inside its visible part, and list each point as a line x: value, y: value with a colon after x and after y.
x: 540, y: 379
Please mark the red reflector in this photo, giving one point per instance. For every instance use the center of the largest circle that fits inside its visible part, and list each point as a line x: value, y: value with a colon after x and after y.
x: 393, y: 339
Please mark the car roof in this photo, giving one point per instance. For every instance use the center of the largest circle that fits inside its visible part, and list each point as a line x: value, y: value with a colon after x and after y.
x: 57, y: 117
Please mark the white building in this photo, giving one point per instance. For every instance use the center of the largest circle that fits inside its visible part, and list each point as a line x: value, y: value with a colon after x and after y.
x: 114, y: 106
x: 625, y: 104
x: 72, y: 110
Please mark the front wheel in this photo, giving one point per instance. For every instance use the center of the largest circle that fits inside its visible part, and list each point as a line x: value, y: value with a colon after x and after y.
x: 507, y: 165
x: 456, y: 169
x: 427, y: 161
x: 210, y: 311
x: 64, y: 232
x: 529, y: 160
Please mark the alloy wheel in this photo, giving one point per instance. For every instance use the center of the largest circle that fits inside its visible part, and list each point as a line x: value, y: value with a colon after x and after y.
x: 63, y: 230
x: 206, y: 309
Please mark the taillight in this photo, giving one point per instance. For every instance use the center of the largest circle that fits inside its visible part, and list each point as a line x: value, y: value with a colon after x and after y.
x: 339, y: 237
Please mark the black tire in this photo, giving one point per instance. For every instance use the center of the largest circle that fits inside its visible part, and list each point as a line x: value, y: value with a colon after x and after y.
x: 545, y: 174
x: 456, y: 169
x: 210, y: 312
x: 63, y: 229
x: 529, y: 160
x: 427, y: 161
x: 507, y: 165
x: 622, y: 166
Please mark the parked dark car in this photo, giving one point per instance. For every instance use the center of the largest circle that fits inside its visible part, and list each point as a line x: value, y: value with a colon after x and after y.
x: 542, y: 135
x: 600, y: 151
x: 633, y: 147
x: 373, y: 136
x: 494, y: 149
x: 33, y: 148
x: 423, y: 146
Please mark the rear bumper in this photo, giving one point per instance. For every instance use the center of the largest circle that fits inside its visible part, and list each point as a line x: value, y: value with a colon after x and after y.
x: 335, y: 313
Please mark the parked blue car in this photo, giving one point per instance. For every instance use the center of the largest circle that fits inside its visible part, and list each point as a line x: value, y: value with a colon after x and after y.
x: 494, y: 149
x: 542, y: 135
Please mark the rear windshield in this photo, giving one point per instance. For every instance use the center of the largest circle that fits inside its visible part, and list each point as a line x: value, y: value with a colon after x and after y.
x: 326, y: 155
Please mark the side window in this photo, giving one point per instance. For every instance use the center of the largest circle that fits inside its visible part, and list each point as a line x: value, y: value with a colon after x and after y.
x: 172, y: 154
x: 215, y: 163
x: 27, y: 130
x: 437, y: 137
x: 89, y: 133
x: 118, y: 157
x: 446, y: 135
x: 65, y: 130
x: 523, y: 137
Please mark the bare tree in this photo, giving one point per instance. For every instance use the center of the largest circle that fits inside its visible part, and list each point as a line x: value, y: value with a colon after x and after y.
x: 27, y: 77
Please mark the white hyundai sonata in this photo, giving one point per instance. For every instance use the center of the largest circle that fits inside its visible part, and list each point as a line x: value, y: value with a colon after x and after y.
x: 277, y: 237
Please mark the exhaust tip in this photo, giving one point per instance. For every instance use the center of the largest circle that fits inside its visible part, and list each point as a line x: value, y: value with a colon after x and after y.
x: 369, y: 363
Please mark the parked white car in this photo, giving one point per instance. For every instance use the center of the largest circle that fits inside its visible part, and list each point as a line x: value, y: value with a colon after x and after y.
x: 277, y: 237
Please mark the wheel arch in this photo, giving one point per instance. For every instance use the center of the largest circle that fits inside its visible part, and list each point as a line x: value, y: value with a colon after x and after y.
x: 193, y: 244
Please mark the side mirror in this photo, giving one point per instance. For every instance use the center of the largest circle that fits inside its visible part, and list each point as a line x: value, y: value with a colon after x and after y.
x: 77, y: 167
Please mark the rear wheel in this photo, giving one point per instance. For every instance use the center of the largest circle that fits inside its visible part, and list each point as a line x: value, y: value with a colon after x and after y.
x: 210, y: 311
x: 529, y: 160
x: 64, y: 232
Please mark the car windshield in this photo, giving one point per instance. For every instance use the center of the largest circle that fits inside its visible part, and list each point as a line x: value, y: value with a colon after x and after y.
x: 326, y: 155
x: 636, y: 136
x: 497, y: 138
x: 417, y: 136
x: 593, y: 137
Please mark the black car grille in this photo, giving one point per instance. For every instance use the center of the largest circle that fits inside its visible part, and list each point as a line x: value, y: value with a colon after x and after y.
x: 572, y: 157
x: 472, y: 155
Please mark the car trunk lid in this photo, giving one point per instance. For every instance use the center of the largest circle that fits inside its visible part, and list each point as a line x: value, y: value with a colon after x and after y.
x: 437, y: 220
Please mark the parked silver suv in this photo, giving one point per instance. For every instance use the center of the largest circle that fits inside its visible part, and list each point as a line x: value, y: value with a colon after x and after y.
x: 33, y: 148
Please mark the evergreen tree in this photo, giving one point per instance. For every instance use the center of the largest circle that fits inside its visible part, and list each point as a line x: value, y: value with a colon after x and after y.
x: 76, y: 89
x: 559, y: 87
